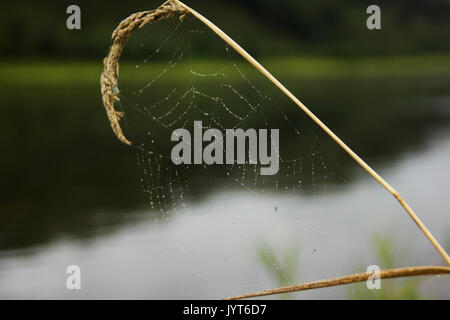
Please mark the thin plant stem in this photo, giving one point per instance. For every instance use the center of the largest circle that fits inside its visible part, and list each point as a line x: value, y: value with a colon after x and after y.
x: 347, y: 149
x: 353, y: 278
x: 110, y: 94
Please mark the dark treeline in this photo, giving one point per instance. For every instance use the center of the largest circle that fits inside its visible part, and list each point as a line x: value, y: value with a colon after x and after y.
x: 37, y: 29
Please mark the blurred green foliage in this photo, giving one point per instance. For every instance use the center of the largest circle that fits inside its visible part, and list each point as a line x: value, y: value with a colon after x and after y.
x: 391, y: 289
x: 283, y: 270
x: 37, y: 29
x: 86, y: 73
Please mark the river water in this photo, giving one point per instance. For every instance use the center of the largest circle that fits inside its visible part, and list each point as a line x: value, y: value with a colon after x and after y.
x: 72, y: 195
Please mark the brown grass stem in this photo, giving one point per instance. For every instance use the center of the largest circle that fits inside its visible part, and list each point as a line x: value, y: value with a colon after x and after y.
x: 353, y: 278
x: 110, y: 90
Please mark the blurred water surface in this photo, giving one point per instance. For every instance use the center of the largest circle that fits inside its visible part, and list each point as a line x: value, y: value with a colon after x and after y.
x: 72, y: 194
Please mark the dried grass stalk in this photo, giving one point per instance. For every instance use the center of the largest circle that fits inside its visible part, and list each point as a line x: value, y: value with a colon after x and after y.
x: 110, y: 90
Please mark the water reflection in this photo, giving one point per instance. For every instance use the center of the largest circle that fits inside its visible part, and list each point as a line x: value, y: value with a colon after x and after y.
x: 71, y: 192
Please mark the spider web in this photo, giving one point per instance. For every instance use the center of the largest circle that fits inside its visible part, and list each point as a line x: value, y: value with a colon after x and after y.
x: 192, y: 75
x: 223, y: 93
